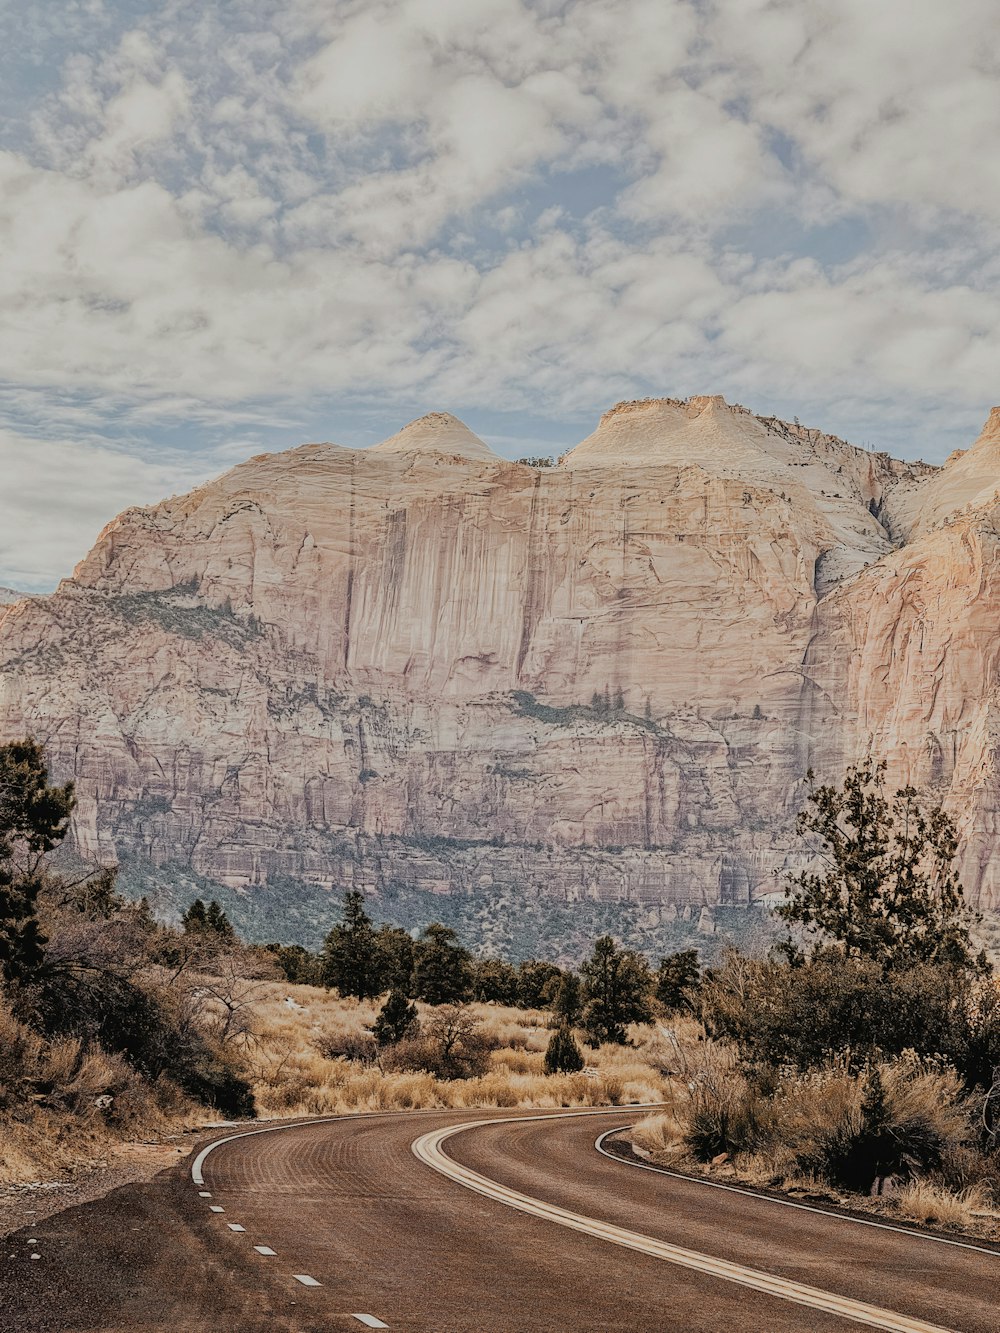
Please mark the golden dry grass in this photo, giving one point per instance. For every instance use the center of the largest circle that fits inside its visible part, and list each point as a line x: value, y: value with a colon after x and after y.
x: 292, y: 1077
x: 933, y: 1205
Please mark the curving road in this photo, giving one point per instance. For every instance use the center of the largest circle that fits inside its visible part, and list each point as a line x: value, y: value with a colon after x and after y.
x: 466, y: 1222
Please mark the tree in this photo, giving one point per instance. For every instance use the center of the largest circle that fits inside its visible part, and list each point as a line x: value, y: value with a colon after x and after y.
x: 194, y: 921
x: 396, y: 1020
x: 395, y: 958
x: 563, y: 1055
x: 218, y: 923
x: 886, y: 888
x: 568, y: 1003
x: 441, y: 968
x: 34, y: 818
x: 676, y: 978
x: 616, y: 983
x: 494, y: 982
x: 536, y: 983
x: 299, y: 966
x: 350, y: 955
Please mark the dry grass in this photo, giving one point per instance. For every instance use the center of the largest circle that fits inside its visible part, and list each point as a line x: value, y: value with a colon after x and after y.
x: 934, y: 1205
x: 292, y: 1076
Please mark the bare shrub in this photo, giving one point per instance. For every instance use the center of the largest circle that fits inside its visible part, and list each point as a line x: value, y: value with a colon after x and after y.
x: 347, y: 1044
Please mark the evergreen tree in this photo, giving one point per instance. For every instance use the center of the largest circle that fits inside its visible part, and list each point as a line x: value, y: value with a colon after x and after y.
x: 195, y: 920
x: 563, y: 1055
x: 494, y: 981
x: 442, y: 968
x: 568, y: 1003
x: 395, y: 958
x: 218, y: 923
x: 617, y: 984
x: 886, y: 889
x: 536, y: 983
x: 350, y: 953
x: 395, y: 1020
x: 676, y: 978
x: 34, y: 817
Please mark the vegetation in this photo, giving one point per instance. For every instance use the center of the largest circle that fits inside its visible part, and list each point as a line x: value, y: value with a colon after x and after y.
x: 616, y: 987
x: 862, y: 1056
x: 563, y: 1055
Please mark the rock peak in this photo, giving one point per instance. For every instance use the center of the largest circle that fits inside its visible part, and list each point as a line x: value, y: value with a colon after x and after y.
x: 440, y: 433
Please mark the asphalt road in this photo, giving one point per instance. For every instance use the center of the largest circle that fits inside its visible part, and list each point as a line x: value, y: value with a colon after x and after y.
x: 513, y: 1224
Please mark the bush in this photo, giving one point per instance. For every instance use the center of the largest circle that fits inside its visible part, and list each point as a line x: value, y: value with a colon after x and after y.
x: 452, y: 1046
x: 347, y: 1044
x: 563, y: 1055
x: 730, y: 1117
x: 396, y: 1020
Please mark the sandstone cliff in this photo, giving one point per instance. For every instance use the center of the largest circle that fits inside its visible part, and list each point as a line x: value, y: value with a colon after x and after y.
x: 422, y: 664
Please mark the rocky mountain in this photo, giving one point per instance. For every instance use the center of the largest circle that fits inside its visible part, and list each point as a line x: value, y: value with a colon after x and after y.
x: 8, y: 595
x: 421, y: 667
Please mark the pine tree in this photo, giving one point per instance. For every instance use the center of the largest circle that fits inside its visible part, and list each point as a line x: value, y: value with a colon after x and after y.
x: 350, y: 952
x: 34, y: 817
x: 563, y: 1055
x: 218, y: 923
x: 568, y: 1003
x: 395, y: 958
x: 194, y: 920
x: 887, y: 889
x: 617, y: 983
x: 442, y: 968
x: 395, y: 1020
x: 676, y: 977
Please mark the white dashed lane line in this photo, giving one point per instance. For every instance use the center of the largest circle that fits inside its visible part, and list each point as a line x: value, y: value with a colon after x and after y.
x: 215, y: 1208
x: 266, y: 1249
x: 306, y: 1280
x: 204, y: 1194
x: 235, y: 1226
x: 369, y: 1321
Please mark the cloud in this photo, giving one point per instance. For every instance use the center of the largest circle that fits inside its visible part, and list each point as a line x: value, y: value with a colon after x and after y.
x: 228, y: 213
x: 57, y: 496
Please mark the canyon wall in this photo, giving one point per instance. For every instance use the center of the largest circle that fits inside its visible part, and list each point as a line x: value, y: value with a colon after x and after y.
x: 424, y: 665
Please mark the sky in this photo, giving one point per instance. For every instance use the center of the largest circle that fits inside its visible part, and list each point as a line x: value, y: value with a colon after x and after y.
x: 234, y: 228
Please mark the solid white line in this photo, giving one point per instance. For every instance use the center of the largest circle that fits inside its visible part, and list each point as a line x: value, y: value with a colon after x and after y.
x: 214, y: 1208
x: 428, y: 1149
x: 265, y: 1249
x: 306, y: 1280
x: 785, y: 1203
x: 235, y: 1226
x: 197, y: 1172
x: 369, y: 1321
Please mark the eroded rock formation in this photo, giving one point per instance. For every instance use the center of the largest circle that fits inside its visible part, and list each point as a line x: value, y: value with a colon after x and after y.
x: 423, y: 664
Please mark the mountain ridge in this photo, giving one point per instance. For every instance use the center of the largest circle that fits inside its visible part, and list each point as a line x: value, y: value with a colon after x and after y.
x: 423, y: 667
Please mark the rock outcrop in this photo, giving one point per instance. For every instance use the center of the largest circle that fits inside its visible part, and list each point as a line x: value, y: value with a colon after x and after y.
x: 423, y: 665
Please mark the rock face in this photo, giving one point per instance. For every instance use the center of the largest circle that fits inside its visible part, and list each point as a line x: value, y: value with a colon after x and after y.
x: 423, y: 665
x: 8, y: 596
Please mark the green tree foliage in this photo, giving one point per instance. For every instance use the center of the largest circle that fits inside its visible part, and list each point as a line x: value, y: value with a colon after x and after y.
x: 299, y: 966
x: 563, y: 1055
x: 442, y: 969
x: 852, y: 1010
x: 396, y: 1020
x: 350, y: 953
x: 886, y: 888
x: 34, y: 818
x: 567, y: 1004
x: 617, y: 985
x: 218, y: 923
x: 395, y: 958
x: 194, y: 921
x: 536, y: 983
x: 494, y: 982
x: 677, y: 980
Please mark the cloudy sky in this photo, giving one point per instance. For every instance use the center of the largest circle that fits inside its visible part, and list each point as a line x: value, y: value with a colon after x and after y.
x: 234, y: 227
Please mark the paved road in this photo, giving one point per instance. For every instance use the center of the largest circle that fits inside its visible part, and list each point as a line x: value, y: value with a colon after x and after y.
x: 541, y: 1233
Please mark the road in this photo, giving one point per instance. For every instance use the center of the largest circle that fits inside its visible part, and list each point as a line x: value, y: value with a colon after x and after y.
x: 539, y: 1232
